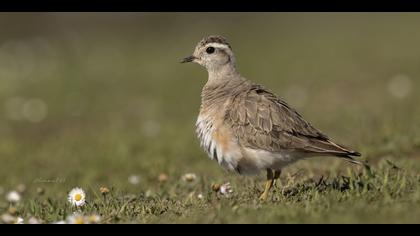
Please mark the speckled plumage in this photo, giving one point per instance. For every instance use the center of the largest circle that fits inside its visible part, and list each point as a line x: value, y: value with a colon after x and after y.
x: 245, y: 127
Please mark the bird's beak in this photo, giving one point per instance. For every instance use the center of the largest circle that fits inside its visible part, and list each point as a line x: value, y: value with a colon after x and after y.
x: 188, y: 59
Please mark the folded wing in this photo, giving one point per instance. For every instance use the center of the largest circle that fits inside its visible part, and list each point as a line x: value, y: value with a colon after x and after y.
x: 261, y: 120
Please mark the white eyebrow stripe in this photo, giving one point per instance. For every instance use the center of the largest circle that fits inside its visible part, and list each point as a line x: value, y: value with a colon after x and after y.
x: 218, y: 45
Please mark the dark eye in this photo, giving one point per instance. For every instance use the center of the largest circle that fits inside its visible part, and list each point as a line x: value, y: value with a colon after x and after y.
x: 210, y: 50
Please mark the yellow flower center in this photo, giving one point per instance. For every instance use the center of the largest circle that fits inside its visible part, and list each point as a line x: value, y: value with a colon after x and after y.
x: 93, y: 219
x: 79, y: 220
x: 78, y: 197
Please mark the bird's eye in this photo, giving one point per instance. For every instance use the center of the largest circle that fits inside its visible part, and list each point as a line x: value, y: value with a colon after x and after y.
x: 210, y: 50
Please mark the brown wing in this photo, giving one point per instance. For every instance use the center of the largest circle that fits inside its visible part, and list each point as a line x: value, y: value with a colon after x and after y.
x: 263, y: 121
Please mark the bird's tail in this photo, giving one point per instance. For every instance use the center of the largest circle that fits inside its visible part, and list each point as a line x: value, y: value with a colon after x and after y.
x: 346, y: 153
x: 330, y: 148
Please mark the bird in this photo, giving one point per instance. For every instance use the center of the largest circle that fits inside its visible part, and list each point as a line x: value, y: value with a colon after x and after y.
x: 248, y: 129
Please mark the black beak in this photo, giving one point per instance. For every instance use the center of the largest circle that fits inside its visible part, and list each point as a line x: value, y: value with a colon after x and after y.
x: 188, y: 59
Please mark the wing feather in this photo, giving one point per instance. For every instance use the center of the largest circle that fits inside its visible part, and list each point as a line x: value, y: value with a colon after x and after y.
x: 261, y: 120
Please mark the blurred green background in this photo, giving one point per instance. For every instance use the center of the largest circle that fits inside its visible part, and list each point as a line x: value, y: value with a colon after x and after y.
x: 93, y: 98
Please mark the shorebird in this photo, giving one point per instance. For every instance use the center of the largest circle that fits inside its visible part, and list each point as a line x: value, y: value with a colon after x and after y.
x: 245, y: 127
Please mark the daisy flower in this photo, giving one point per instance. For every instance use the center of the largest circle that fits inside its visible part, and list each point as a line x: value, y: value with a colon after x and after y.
x: 226, y: 189
x: 134, y: 179
x: 93, y: 219
x: 77, y: 197
x: 7, y: 218
x: 34, y: 221
x: 10, y: 219
x: 61, y: 222
x: 189, y: 177
x: 18, y: 220
x: 76, y: 219
x: 13, y: 197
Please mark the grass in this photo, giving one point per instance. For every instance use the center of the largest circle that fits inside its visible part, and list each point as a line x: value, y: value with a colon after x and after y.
x: 91, y: 99
x: 389, y: 194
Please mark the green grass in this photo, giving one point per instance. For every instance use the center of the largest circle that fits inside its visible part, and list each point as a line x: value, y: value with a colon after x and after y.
x: 119, y: 104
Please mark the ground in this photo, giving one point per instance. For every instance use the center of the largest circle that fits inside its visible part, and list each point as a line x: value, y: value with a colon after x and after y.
x: 91, y: 101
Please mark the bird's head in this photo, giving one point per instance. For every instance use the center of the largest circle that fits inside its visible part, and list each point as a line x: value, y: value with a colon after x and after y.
x: 212, y: 52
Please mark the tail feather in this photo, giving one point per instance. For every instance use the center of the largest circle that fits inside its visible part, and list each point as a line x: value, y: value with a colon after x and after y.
x: 346, y: 153
x: 328, y: 147
x: 350, y: 158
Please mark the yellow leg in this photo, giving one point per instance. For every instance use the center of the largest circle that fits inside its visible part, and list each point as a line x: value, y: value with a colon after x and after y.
x: 276, y: 175
x: 268, y: 185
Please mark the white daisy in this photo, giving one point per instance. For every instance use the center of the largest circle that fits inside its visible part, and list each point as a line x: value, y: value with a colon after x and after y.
x: 93, y: 219
x: 13, y: 197
x: 76, y: 218
x: 10, y: 219
x: 18, y: 220
x: 7, y: 218
x: 134, y: 179
x: 226, y: 189
x: 34, y: 221
x: 61, y: 222
x: 77, y: 197
x: 189, y: 177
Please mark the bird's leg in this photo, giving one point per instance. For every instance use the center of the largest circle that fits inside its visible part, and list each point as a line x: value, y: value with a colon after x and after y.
x: 268, y: 184
x: 276, y: 175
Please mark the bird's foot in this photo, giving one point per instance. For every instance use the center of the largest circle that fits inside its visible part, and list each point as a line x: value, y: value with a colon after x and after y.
x: 264, y: 196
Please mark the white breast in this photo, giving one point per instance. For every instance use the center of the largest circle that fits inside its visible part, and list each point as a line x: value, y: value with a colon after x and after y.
x: 228, y: 159
x: 236, y: 158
